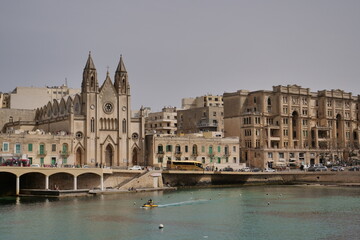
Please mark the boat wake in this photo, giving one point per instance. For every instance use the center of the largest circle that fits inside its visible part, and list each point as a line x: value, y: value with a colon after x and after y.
x: 183, y: 203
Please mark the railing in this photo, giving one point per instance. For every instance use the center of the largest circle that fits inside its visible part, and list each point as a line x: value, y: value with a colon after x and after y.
x: 42, y: 153
x: 64, y: 154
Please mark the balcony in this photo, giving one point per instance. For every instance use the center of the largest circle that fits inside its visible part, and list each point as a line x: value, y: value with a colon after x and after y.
x: 178, y: 154
x: 42, y: 153
x: 160, y: 154
x: 64, y: 154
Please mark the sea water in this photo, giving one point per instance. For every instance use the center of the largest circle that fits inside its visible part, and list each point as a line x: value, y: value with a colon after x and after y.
x: 257, y: 212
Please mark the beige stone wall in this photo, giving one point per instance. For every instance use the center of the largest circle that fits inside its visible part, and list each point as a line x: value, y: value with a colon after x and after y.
x: 16, y: 115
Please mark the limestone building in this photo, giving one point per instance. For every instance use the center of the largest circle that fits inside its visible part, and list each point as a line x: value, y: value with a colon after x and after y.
x: 4, y: 100
x: 291, y: 126
x: 164, y: 122
x: 201, y: 114
x: 20, y: 96
x: 38, y: 147
x: 98, y: 119
x: 213, y: 152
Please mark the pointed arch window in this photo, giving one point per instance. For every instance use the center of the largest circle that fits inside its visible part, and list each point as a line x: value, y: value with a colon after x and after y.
x: 92, y: 125
x: 92, y: 82
x: 124, y: 125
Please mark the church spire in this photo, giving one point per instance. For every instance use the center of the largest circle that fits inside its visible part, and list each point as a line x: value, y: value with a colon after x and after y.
x: 90, y: 82
x: 121, y: 78
x: 121, y: 66
x: 89, y: 63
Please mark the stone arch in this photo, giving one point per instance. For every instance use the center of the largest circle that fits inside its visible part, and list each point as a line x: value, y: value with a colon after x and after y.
x: 109, y: 155
x: 55, y: 107
x: 77, y: 105
x: 79, y: 157
x: 135, y: 159
x: 62, y: 107
x: 69, y: 103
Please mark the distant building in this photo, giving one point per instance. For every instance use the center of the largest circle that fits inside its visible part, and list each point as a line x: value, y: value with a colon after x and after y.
x: 34, y: 97
x: 164, y: 122
x: 4, y: 100
x: 291, y: 126
x: 201, y: 114
x: 213, y: 152
x: 203, y: 101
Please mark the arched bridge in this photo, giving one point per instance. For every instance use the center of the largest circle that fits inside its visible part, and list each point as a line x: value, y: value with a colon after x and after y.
x: 16, y: 178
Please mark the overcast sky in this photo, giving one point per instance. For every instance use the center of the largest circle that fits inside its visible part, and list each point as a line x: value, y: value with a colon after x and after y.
x: 177, y: 49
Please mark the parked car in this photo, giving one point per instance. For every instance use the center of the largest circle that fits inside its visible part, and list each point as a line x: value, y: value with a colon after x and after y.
x: 321, y: 169
x: 35, y: 165
x: 245, y: 169
x: 135, y: 167
x: 337, y: 168
x: 354, y: 169
x: 312, y: 169
x: 227, y: 169
x: 269, y: 170
x: 256, y: 170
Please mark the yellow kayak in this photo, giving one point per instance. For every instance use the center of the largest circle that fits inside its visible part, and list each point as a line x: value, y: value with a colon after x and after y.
x: 149, y: 206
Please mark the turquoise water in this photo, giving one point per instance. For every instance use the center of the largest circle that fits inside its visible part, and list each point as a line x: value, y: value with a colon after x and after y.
x: 261, y: 212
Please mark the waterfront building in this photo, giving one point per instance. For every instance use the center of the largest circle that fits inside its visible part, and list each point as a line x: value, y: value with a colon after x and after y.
x: 164, y: 122
x: 213, y: 152
x: 39, y: 147
x: 98, y: 119
x: 292, y: 126
x: 201, y: 114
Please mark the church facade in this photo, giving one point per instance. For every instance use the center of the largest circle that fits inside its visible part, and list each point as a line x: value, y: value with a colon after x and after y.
x: 98, y: 120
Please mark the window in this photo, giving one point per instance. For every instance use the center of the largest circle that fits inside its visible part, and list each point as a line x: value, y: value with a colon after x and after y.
x: 219, y: 160
x: 53, y: 147
x: 160, y: 149
x: 92, y: 125
x: 124, y: 125
x: 41, y: 161
x: 203, y: 149
x: 214, y: 114
x: 186, y: 148
x: 42, y: 149
x: 5, y: 147
x: 234, y: 159
x: 281, y: 155
x: 30, y: 147
x: 219, y: 148
x: 285, y: 99
x: 17, y: 148
x: 210, y: 149
x: 234, y: 148
x: 53, y: 161
x: 270, y: 155
x: 168, y: 148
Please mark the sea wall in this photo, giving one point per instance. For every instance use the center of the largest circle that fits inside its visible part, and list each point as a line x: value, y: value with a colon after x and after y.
x: 178, y: 178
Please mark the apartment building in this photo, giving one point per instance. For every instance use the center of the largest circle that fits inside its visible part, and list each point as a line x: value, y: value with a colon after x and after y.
x: 201, y: 114
x: 164, y: 122
x: 291, y: 126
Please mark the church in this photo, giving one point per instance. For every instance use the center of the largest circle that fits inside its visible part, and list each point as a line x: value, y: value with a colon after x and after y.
x: 97, y: 124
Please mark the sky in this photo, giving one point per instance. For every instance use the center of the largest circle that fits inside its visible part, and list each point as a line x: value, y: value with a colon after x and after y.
x: 182, y: 48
